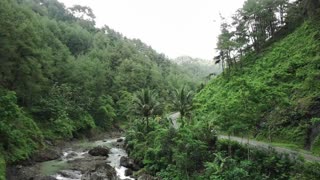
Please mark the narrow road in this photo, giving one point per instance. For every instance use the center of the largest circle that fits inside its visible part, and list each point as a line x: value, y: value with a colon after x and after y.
x: 258, y: 144
x: 264, y: 145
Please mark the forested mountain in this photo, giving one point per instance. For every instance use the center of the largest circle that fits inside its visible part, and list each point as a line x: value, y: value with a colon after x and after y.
x: 201, y: 69
x: 61, y: 76
x: 268, y: 90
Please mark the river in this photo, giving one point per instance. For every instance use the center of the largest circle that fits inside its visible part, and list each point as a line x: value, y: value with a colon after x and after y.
x: 63, y: 169
x: 75, y: 160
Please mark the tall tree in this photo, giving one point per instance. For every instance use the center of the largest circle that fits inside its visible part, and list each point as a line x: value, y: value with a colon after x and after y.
x: 182, y: 102
x: 145, y: 104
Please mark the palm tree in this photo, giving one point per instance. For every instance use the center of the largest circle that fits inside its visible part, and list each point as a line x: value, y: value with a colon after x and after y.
x: 145, y: 104
x: 182, y: 102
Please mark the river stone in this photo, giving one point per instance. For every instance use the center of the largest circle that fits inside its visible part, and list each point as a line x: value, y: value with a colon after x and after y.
x: 124, y: 161
x: 71, y: 155
x: 70, y: 174
x: 119, y: 140
x: 87, y: 163
x: 128, y: 172
x: 46, y: 155
x: 23, y: 173
x: 129, y: 163
x: 48, y: 178
x: 101, y: 172
x: 49, y: 142
x: 99, y: 151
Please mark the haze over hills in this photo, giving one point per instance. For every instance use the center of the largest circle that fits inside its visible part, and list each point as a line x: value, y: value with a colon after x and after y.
x: 201, y: 68
x: 84, y: 103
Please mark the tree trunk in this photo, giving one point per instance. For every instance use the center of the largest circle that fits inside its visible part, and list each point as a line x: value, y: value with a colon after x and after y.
x: 240, y: 60
x: 248, y: 148
x: 181, y: 119
x: 269, y: 132
x: 229, y: 145
x: 147, y: 118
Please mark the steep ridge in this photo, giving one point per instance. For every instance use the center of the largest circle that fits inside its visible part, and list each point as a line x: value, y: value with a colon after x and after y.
x: 61, y: 77
x: 275, y: 95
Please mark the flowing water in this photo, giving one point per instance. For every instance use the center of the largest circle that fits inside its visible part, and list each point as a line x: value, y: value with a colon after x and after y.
x: 60, y: 169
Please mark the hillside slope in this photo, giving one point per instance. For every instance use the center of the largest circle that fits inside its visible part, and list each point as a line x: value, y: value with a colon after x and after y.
x: 61, y: 77
x: 275, y: 94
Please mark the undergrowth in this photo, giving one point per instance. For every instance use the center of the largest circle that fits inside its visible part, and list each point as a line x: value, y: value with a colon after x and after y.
x: 275, y: 93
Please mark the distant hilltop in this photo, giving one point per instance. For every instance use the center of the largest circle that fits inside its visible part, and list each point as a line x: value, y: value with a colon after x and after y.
x: 202, y: 68
x: 188, y: 59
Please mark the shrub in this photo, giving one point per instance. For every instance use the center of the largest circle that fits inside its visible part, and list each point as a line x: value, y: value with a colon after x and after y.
x: 166, y: 151
x: 19, y: 134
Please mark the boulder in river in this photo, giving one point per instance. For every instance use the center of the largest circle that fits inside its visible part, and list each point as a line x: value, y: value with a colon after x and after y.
x: 124, y: 161
x: 48, y: 178
x: 119, y: 140
x: 128, y: 172
x: 71, y: 155
x: 147, y: 177
x: 99, y: 151
x: 87, y: 163
x: 101, y: 171
x: 129, y: 163
x: 46, y: 155
x: 70, y: 174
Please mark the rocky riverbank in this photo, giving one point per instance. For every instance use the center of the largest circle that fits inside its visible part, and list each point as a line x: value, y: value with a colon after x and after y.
x: 87, y: 159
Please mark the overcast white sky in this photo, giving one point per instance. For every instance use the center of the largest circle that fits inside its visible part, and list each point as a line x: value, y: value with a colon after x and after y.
x: 172, y: 27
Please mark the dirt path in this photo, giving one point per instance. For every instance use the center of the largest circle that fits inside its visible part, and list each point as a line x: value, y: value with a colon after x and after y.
x: 265, y: 145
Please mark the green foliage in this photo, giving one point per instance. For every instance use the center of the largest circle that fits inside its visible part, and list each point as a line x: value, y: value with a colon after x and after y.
x: 182, y: 102
x: 146, y: 104
x: 307, y: 171
x: 244, y: 163
x: 105, y: 114
x: 227, y: 168
x: 171, y: 153
x: 315, y: 120
x: 19, y: 135
x: 62, y: 126
x: 2, y: 167
x: 254, y: 25
x: 192, y: 152
x: 316, y: 146
x: 311, y: 7
x: 67, y: 76
x: 272, y: 95
x: 84, y: 122
x: 123, y: 105
x: 65, y: 112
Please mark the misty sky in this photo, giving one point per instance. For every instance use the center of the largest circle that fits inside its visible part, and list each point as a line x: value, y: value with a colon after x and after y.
x: 172, y: 27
